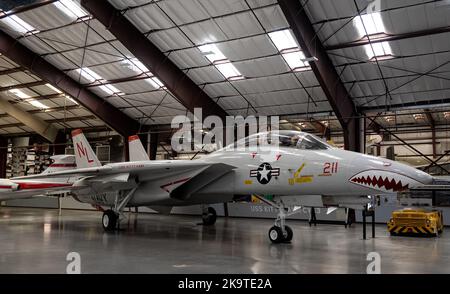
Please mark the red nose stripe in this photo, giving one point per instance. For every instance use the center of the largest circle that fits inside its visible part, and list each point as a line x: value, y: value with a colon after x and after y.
x: 380, y: 182
x: 31, y: 186
x: 5, y: 187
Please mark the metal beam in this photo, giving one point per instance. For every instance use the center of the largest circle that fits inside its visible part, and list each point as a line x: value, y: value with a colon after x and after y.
x: 53, y: 121
x: 324, y: 70
x: 387, y: 38
x: 41, y: 127
x: 26, y: 58
x: 11, y: 71
x: 176, y: 81
x: 21, y: 86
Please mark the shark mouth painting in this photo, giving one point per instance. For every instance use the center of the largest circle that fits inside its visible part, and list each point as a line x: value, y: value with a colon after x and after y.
x: 383, y: 181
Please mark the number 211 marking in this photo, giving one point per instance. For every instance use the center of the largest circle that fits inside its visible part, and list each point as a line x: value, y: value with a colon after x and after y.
x: 330, y: 167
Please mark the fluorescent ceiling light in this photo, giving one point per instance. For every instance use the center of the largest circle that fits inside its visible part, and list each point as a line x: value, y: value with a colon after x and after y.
x: 89, y: 74
x: 71, y: 99
x: 228, y: 70
x: 136, y: 65
x: 294, y: 60
x: 53, y: 88
x: 110, y: 90
x: 372, y: 23
x: 71, y: 8
x: 212, y: 53
x: 283, y: 40
x: 378, y: 49
x: 155, y: 82
x: 38, y: 104
x: 19, y: 93
x: 18, y: 24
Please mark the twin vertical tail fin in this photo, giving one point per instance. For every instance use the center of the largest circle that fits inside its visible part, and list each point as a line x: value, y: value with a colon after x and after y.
x: 136, y: 149
x: 60, y: 163
x: 84, y: 156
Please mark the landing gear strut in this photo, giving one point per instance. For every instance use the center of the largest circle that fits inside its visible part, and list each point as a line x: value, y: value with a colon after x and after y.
x: 280, y: 232
x: 111, y: 217
x: 209, y: 216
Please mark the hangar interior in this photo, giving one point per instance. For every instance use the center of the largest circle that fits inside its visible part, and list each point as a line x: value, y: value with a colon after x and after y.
x: 375, y: 83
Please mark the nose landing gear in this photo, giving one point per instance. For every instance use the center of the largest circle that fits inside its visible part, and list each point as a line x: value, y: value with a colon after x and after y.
x: 280, y: 232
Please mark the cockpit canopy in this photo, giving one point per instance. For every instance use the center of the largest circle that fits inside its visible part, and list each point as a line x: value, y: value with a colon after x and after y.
x: 282, y: 138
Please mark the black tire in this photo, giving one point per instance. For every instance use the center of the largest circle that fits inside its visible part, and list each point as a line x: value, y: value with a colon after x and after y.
x: 276, y: 235
x: 109, y: 220
x: 289, y: 234
x: 209, y: 218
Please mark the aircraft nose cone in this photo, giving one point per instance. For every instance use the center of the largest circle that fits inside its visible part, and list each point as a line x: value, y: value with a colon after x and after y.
x: 388, y: 176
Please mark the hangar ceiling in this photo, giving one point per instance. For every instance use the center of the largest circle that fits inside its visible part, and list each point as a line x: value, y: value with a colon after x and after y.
x: 232, y: 51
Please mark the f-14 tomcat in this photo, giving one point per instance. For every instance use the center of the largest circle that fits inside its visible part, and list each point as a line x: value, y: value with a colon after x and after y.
x: 299, y: 170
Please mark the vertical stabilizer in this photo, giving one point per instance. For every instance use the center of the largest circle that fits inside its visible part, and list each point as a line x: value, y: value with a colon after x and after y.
x: 137, y: 151
x: 84, y: 156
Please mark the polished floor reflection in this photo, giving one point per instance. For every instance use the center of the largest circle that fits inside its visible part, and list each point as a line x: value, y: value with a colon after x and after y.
x: 38, y: 241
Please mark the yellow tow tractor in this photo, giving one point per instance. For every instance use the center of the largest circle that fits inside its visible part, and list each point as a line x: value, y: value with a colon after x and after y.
x: 416, y: 222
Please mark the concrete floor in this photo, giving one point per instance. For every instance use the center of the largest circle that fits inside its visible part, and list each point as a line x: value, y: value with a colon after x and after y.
x: 38, y: 241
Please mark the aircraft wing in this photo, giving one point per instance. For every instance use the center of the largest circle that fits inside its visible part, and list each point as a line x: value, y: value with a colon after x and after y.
x: 145, y: 170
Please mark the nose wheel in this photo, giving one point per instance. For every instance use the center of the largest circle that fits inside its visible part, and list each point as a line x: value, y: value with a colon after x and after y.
x: 280, y: 232
x: 276, y: 234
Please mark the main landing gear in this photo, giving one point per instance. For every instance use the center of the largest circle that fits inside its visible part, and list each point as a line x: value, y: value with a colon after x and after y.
x: 209, y: 216
x: 111, y: 217
x: 280, y: 232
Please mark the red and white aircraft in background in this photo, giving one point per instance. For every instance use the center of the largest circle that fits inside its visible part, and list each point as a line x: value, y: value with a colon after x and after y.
x: 25, y: 188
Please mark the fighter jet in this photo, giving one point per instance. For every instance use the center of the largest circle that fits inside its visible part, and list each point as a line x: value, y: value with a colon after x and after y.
x: 16, y: 188
x: 295, y: 168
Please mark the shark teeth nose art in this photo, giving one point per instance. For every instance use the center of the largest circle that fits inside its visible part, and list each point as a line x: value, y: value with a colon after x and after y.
x: 383, y: 180
x: 379, y: 182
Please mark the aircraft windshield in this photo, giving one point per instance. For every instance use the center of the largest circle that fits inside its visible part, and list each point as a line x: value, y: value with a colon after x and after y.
x: 290, y: 139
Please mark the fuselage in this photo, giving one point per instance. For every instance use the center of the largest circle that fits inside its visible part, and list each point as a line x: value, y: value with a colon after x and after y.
x: 284, y: 170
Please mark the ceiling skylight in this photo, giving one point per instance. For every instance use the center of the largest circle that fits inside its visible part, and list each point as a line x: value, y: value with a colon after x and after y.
x: 229, y: 71
x: 135, y: 65
x: 110, y: 90
x: 54, y: 88
x: 155, y: 82
x: 295, y: 60
x: 71, y: 100
x: 89, y: 74
x: 372, y: 23
x: 212, y: 53
x: 285, y: 43
x: 220, y: 61
x: 382, y: 49
x: 283, y: 40
x: 27, y: 98
x: 71, y: 8
x: 92, y: 76
x: 19, y: 25
x: 38, y: 104
x: 369, y: 25
x: 19, y: 93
